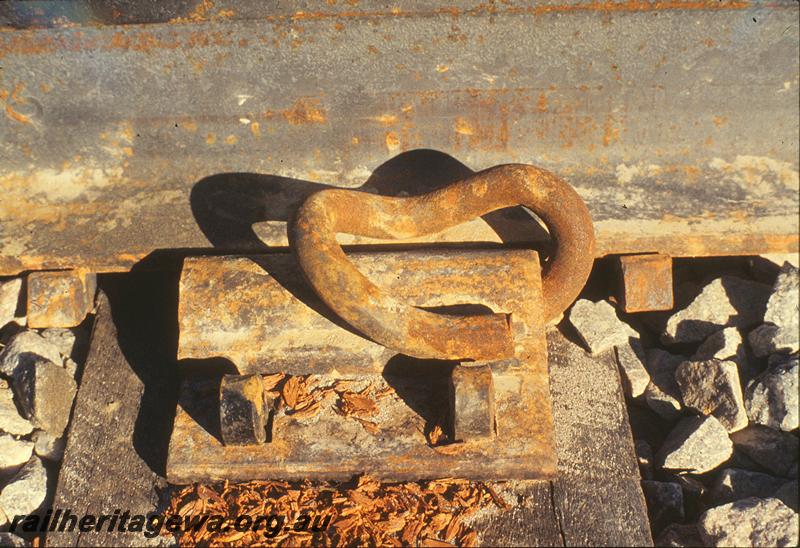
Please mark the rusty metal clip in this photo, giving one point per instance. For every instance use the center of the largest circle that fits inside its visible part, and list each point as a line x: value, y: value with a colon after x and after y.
x: 414, y: 331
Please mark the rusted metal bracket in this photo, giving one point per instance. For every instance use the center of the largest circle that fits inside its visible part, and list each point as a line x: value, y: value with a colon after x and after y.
x: 417, y: 332
x: 259, y: 314
x: 489, y: 417
x: 646, y: 282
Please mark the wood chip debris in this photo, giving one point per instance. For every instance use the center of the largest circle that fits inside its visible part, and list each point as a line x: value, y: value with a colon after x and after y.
x: 363, y: 511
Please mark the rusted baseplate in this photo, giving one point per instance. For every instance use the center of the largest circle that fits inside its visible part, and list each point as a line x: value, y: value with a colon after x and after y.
x: 258, y: 313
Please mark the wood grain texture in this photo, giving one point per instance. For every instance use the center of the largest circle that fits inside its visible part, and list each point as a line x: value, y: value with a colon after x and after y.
x: 111, y: 458
x: 597, y: 499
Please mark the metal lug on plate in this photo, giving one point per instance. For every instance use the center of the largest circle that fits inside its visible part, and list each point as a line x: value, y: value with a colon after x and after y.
x: 646, y: 283
x: 472, y: 402
x: 242, y: 411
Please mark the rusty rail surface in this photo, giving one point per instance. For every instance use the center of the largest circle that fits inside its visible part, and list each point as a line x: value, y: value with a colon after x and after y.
x: 677, y: 122
x: 414, y: 331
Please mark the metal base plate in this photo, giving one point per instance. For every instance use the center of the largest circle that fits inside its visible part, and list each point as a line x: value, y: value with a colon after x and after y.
x: 389, y: 439
x: 343, y: 404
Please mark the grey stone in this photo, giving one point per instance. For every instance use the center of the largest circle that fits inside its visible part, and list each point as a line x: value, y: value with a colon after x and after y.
x: 772, y: 398
x: 12, y: 540
x: 598, y: 325
x: 9, y: 299
x: 644, y: 455
x: 13, y: 453
x: 788, y: 494
x: 48, y: 446
x: 71, y: 367
x: 679, y: 535
x: 728, y: 301
x: 26, y: 491
x: 45, y: 392
x: 664, y: 503
x: 783, y: 307
x: 662, y: 393
x: 631, y: 359
x: 696, y: 445
x: 62, y: 338
x: 10, y: 419
x: 750, y: 522
x: 736, y: 484
x: 721, y: 345
x: 774, y: 450
x: 712, y: 387
x: 24, y: 348
x: 768, y: 339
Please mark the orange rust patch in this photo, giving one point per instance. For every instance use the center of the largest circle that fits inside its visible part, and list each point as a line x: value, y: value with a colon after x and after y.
x: 231, y: 139
x: 636, y: 6
x: 211, y: 139
x: 189, y: 125
x: 14, y: 97
x: 610, y: 131
x: 255, y: 129
x: 541, y: 104
x: 385, y: 119
x: 720, y: 121
x: 392, y: 141
x: 463, y: 127
x: 305, y: 111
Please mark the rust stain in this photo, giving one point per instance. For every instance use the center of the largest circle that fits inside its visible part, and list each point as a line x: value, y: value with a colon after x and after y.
x: 35, y: 43
x: 610, y: 131
x: 635, y: 6
x: 463, y: 127
x: 419, y: 333
x: 392, y: 141
x: 15, y: 98
x: 231, y: 139
x: 720, y: 121
x: 255, y: 129
x: 541, y: 104
x: 305, y: 111
x: 199, y: 14
x: 385, y: 119
x: 211, y: 139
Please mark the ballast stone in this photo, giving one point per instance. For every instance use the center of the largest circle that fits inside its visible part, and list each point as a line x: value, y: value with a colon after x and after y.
x: 773, y: 450
x: 735, y: 484
x: 712, y: 387
x: 728, y: 301
x: 696, y: 445
x: 750, y: 522
x: 662, y: 393
x: 24, y: 348
x: 721, y: 345
x: 11, y: 421
x: 772, y: 398
x: 631, y: 359
x: 45, y: 392
x: 9, y: 300
x: 13, y: 453
x: 26, y: 491
x: 598, y: 325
